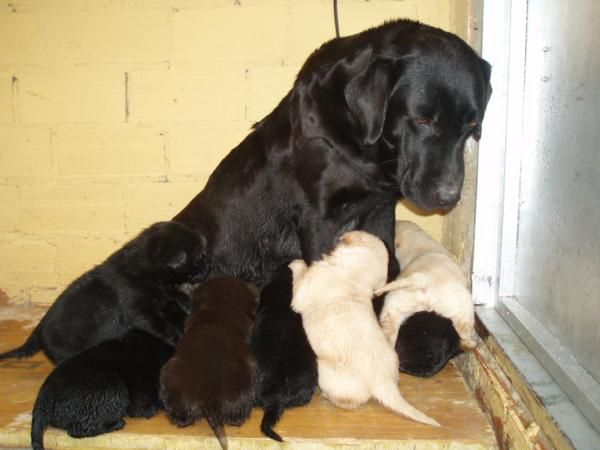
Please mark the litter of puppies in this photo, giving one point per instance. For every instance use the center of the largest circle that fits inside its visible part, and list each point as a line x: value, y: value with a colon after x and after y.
x: 310, y: 326
x: 261, y: 289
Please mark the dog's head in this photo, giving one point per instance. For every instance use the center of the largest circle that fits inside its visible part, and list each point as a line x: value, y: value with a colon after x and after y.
x: 174, y: 253
x: 403, y: 98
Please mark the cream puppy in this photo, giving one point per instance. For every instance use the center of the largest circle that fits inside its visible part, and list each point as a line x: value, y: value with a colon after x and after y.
x: 333, y: 295
x: 430, y: 280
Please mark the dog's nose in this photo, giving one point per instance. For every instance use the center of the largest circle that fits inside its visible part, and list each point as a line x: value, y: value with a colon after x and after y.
x: 447, y: 196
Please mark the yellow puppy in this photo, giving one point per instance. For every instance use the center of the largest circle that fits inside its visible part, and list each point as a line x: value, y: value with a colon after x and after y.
x: 430, y: 280
x: 334, y: 295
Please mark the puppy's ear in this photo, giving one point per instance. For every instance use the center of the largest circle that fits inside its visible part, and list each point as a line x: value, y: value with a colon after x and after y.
x: 367, y: 95
x: 177, y: 260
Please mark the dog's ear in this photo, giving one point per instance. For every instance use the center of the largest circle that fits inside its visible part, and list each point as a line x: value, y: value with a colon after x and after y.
x: 367, y: 95
x: 486, y: 70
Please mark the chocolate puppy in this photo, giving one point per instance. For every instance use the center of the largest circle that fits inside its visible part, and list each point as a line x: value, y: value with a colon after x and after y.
x: 131, y: 289
x: 212, y: 374
x: 90, y: 393
x: 286, y: 364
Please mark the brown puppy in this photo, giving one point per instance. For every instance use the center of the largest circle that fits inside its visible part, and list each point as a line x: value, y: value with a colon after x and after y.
x: 212, y: 374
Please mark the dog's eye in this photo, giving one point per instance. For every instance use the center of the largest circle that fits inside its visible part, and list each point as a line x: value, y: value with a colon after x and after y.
x: 423, y: 120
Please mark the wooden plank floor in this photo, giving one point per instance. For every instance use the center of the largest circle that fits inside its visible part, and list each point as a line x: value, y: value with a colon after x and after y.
x: 318, y: 425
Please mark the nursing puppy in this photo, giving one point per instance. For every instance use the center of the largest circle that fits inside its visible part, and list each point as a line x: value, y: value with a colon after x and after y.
x: 212, y: 374
x: 431, y: 280
x: 131, y: 289
x: 286, y: 364
x: 426, y: 342
x: 90, y: 393
x: 333, y: 295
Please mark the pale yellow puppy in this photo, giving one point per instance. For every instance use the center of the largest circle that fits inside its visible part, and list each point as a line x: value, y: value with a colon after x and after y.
x: 430, y: 280
x: 333, y: 295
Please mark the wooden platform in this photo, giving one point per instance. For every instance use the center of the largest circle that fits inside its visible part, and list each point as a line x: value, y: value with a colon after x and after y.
x: 318, y: 425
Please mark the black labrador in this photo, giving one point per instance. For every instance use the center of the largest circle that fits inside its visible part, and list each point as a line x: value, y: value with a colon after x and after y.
x: 138, y: 286
x: 90, y: 393
x: 285, y: 362
x: 371, y: 118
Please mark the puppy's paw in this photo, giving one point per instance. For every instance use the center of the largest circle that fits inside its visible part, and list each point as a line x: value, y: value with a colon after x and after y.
x: 390, y: 328
x: 298, y: 267
x: 468, y: 344
x: 466, y: 332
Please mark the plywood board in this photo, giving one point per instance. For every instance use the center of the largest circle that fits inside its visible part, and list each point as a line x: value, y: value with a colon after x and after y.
x: 318, y: 425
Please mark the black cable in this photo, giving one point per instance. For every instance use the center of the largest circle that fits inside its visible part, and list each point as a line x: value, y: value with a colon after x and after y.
x: 335, y: 18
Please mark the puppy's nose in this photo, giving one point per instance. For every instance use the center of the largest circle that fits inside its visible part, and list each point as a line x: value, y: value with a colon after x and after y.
x: 447, y: 196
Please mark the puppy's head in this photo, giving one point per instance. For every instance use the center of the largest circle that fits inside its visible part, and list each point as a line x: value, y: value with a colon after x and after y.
x: 174, y: 252
x: 426, y: 342
x: 361, y: 256
x: 407, y: 97
x: 228, y: 295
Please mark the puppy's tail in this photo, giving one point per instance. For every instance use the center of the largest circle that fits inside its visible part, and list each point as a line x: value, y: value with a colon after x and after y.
x: 273, y: 413
x: 29, y: 348
x: 41, y: 411
x: 389, y: 396
x: 219, y: 431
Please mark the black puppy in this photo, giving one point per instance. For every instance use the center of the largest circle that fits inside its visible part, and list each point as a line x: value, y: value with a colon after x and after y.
x: 286, y: 364
x: 133, y: 288
x: 90, y: 393
x: 371, y: 118
x: 426, y: 342
x: 212, y: 374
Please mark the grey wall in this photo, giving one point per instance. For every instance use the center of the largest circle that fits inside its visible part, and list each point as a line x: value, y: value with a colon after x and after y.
x: 558, y: 243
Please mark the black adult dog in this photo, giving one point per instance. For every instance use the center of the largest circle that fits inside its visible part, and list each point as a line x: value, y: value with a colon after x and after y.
x: 136, y: 287
x: 371, y: 118
x: 90, y: 393
x: 286, y: 364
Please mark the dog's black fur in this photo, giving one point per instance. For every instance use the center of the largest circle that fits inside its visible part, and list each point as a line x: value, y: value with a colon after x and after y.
x: 212, y: 374
x: 371, y: 118
x: 426, y: 342
x: 286, y: 364
x: 135, y: 287
x: 90, y: 393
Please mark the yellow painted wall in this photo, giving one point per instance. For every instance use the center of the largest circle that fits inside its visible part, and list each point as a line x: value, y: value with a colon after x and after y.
x: 114, y: 112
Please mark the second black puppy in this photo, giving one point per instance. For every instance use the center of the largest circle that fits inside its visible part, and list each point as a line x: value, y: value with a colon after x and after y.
x: 90, y: 393
x: 212, y: 374
x: 426, y: 342
x: 286, y: 363
x: 133, y: 288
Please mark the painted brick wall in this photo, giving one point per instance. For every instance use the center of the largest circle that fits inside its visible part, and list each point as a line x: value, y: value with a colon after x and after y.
x: 114, y: 112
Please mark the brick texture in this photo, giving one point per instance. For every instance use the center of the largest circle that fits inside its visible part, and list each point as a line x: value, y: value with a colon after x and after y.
x: 113, y: 114
x: 6, y: 100
x: 110, y: 152
x: 72, y: 96
x: 26, y: 154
